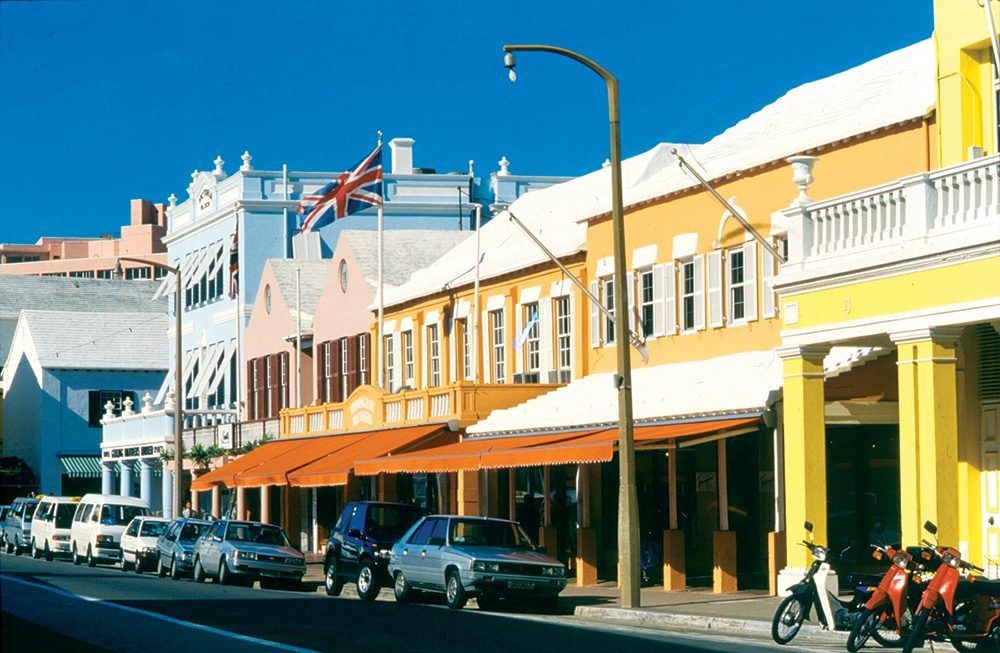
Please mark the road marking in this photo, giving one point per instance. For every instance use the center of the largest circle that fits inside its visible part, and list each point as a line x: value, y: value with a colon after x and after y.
x: 170, y: 620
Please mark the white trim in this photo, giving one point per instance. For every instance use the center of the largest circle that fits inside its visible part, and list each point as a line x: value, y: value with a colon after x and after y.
x: 406, y: 324
x: 389, y: 327
x: 432, y: 317
x: 461, y: 309
x: 561, y: 288
x: 685, y: 246
x: 496, y: 302
x: 606, y: 266
x: 530, y: 295
x: 644, y: 257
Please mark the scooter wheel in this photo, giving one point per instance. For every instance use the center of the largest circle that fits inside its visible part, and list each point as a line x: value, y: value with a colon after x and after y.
x: 866, y: 623
x: 788, y: 619
x: 916, y: 637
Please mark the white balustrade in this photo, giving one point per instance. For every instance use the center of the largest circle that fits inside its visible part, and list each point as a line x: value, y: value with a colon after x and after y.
x: 441, y: 405
x: 414, y: 408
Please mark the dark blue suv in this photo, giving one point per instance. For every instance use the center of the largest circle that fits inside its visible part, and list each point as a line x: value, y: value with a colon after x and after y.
x: 357, y: 550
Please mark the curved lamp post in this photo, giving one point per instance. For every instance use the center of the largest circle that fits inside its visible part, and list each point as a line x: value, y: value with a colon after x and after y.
x: 178, y: 378
x: 628, y: 514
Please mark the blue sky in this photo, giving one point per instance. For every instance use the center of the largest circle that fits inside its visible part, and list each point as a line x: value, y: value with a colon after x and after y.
x: 102, y: 101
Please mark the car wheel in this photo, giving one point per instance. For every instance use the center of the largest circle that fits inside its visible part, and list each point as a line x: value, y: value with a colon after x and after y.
x: 35, y: 553
x: 401, y: 588
x: 333, y: 584
x: 18, y: 549
x: 140, y: 565
x: 8, y: 546
x: 455, y: 595
x: 488, y: 601
x: 47, y: 553
x: 199, y: 571
x: 76, y: 556
x: 161, y: 571
x: 175, y: 573
x: 225, y: 576
x: 125, y: 563
x: 368, y: 585
x: 90, y: 556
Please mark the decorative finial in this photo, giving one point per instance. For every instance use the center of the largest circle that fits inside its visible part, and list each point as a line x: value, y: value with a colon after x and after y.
x: 802, y: 176
x: 504, y: 167
x: 472, y: 169
x: 219, y: 173
x: 246, y: 162
x: 173, y: 200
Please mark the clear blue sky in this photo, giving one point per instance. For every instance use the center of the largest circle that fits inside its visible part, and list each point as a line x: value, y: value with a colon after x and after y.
x: 102, y: 101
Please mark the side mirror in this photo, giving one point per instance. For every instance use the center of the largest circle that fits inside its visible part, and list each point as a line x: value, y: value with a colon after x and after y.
x: 931, y: 528
x: 809, y: 526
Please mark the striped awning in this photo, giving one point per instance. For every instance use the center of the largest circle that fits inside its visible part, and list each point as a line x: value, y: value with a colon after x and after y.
x: 81, y: 466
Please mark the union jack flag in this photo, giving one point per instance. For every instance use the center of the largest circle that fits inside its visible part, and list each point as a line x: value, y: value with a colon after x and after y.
x: 353, y: 191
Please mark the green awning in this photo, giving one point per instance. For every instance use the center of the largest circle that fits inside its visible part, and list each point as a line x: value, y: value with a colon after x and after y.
x: 81, y: 466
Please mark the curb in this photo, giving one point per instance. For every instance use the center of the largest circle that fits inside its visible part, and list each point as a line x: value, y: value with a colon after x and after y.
x: 660, y: 619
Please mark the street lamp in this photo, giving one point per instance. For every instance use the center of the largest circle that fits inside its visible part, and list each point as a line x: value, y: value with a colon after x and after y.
x: 178, y: 376
x: 628, y: 514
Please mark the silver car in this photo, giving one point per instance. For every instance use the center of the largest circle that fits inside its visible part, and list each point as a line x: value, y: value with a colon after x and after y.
x: 490, y: 559
x: 244, y: 551
x: 176, y: 546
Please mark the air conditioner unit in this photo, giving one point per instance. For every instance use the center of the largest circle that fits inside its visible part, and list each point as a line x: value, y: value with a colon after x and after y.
x: 560, y: 376
x: 518, y: 378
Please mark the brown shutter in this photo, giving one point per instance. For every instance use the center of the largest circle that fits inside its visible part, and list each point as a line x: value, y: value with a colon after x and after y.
x: 335, y: 371
x: 352, y: 364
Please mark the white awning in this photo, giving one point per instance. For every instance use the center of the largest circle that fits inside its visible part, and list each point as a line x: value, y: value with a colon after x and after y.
x: 209, y: 359
x: 168, y: 383
x: 214, y: 369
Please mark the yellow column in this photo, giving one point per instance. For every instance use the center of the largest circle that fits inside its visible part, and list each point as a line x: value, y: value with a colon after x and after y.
x: 468, y: 493
x: 928, y: 433
x: 805, y: 448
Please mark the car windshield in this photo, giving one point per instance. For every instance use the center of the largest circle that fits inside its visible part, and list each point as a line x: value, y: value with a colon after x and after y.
x: 261, y: 534
x: 112, y: 515
x: 482, y: 532
x: 390, y: 522
x: 192, y: 532
x: 152, y: 528
x: 64, y: 515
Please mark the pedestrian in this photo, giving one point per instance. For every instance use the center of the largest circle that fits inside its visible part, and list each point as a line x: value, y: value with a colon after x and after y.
x: 187, y: 512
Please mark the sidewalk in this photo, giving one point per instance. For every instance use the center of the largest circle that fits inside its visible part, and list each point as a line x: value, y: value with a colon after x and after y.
x: 743, y: 611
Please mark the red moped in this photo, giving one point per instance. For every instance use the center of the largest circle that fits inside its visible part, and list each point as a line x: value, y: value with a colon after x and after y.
x: 887, y: 615
x: 966, y: 612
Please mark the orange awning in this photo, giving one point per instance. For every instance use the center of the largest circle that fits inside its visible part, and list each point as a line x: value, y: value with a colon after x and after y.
x: 333, y: 468
x: 227, y: 472
x: 275, y: 469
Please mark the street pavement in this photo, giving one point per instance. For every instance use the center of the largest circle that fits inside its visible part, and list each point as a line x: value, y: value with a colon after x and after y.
x: 745, y: 611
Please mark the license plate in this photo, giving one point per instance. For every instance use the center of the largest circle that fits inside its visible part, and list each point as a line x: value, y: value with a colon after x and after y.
x: 520, y: 585
x: 270, y: 574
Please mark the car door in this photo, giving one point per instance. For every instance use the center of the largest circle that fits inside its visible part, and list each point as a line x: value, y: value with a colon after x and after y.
x: 411, y: 558
x: 432, y: 557
x: 351, y: 546
x: 167, y: 544
x: 130, y: 541
x: 208, y: 548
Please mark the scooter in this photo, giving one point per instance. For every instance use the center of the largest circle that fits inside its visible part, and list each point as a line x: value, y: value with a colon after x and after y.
x: 888, y: 614
x: 811, y: 591
x: 966, y: 613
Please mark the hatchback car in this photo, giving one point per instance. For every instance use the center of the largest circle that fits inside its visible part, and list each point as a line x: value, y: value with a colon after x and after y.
x: 175, y: 547
x: 245, y: 551
x: 139, y: 543
x: 358, y: 548
x: 490, y: 559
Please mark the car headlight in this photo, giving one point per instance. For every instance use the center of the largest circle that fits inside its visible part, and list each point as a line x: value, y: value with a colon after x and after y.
x: 245, y: 555
x: 383, y: 553
x: 105, y: 539
x: 483, y: 565
x: 557, y: 572
x: 185, y: 555
x: 149, y: 550
x: 60, y: 538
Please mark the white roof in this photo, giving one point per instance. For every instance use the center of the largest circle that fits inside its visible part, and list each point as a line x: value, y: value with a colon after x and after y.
x: 891, y: 89
x: 741, y: 384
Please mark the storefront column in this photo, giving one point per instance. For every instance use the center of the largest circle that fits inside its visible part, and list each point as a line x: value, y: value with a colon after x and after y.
x: 241, y: 502
x: 586, y: 534
x: 166, y: 496
x: 674, y: 563
x: 468, y: 493
x: 928, y: 433
x: 264, y: 492
x: 146, y: 468
x: 217, y: 501
x: 805, y: 454
x: 108, y: 476
x: 126, y: 481
x: 547, y: 534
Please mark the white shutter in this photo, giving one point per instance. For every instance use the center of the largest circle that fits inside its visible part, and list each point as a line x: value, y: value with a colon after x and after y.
x: 630, y: 279
x: 666, y: 277
x: 767, y: 297
x: 485, y: 327
x: 750, y: 279
x: 518, y: 353
x: 452, y: 362
x: 398, y: 364
x: 699, y: 292
x: 424, y: 355
x: 715, y: 289
x: 595, y: 315
x: 544, y: 338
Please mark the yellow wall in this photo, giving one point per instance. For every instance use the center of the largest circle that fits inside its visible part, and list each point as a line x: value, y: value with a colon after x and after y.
x: 965, y: 98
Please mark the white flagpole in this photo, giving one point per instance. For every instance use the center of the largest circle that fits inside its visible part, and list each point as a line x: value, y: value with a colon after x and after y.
x: 298, y: 337
x: 381, y: 282
x: 239, y: 334
x: 475, y: 300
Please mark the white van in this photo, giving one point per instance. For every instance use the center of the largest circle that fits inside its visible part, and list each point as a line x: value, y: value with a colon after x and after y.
x: 17, y: 524
x: 51, y: 525
x: 98, y: 524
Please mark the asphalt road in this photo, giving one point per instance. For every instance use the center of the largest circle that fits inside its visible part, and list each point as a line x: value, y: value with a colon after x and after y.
x: 56, y: 606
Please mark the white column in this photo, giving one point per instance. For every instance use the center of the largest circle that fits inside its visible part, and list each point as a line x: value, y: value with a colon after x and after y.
x: 126, y: 482
x: 107, y: 477
x: 146, y: 467
x: 168, y: 493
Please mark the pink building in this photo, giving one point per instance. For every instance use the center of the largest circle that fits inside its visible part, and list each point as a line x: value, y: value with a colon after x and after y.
x: 95, y: 257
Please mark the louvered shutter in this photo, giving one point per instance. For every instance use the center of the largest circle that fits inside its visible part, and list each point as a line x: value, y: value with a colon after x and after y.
x: 715, y: 318
x: 544, y: 338
x: 767, y: 298
x: 667, y: 276
x: 595, y: 315
x: 699, y: 292
x: 352, y: 364
x: 750, y: 279
x: 335, y: 371
x: 486, y: 329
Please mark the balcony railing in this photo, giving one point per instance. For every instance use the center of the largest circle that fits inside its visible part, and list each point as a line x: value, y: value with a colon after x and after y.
x: 369, y: 407
x: 919, y: 215
x: 213, y: 429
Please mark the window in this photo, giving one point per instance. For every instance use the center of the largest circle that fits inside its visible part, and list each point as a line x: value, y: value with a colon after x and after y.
x: 283, y: 364
x: 99, y: 400
x: 564, y: 338
x: 646, y: 302
x: 343, y: 275
x: 466, y: 350
x: 687, y: 296
x: 609, y: 303
x: 327, y: 376
x: 737, y: 306
x: 139, y: 273
x: 363, y: 359
x: 254, y: 398
x: 497, y: 338
x: 268, y: 385
x: 530, y: 344
x: 390, y: 364
x: 408, y: 358
x: 84, y: 274
x: 434, y: 345
x: 344, y: 376
x: 741, y: 289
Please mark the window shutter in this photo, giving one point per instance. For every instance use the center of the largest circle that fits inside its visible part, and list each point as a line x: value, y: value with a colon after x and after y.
x: 96, y: 410
x: 335, y: 371
x: 423, y: 358
x: 519, y: 352
x: 486, y: 330
x: 286, y: 387
x: 750, y: 279
x: 699, y: 292
x: 544, y: 338
x: 715, y: 289
x: 353, y: 368
x: 595, y: 315
x: 630, y: 280
x: 659, y: 299
x: 453, y: 336
x: 668, y: 288
x: 275, y: 385
x: 767, y: 297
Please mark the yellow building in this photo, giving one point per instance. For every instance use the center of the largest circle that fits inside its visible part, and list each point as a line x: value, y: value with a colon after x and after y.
x: 911, y: 267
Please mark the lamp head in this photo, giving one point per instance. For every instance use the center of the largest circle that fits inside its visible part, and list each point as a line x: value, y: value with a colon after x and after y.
x: 118, y: 273
x: 509, y: 61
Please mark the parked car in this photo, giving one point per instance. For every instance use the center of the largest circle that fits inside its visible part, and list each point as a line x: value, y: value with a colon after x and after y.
x: 139, y: 543
x: 244, y: 551
x: 358, y: 548
x: 98, y: 524
x: 175, y: 546
x: 17, y: 524
x: 490, y: 559
x: 51, y: 525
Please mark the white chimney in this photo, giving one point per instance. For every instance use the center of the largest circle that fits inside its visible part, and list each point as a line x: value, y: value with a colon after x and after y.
x: 402, y: 156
